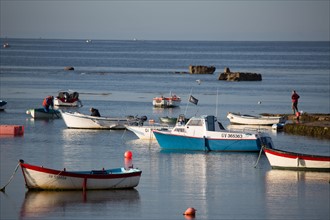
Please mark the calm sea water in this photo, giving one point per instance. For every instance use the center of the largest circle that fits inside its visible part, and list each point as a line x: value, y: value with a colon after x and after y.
x: 121, y: 78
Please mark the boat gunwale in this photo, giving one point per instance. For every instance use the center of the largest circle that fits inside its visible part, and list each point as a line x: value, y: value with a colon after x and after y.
x: 79, y: 115
x: 204, y: 137
x: 293, y: 155
x: 82, y: 174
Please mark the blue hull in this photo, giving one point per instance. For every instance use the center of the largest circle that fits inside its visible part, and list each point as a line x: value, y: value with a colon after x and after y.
x: 176, y: 142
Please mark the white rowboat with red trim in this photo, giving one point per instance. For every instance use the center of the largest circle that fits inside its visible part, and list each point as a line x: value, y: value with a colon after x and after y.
x: 41, y: 178
x: 280, y: 159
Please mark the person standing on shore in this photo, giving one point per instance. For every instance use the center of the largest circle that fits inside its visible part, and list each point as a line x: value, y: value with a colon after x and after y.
x: 294, y: 98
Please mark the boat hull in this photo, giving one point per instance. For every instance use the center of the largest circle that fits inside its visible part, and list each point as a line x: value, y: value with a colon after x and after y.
x: 166, y: 140
x: 146, y: 132
x: 294, y: 161
x: 58, y: 102
x: 40, y: 178
x: 81, y: 121
x: 39, y: 113
x: 254, y: 120
x: 166, y: 102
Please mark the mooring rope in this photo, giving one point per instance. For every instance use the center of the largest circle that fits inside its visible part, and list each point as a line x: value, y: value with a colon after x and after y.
x: 12, y: 176
x: 255, y: 165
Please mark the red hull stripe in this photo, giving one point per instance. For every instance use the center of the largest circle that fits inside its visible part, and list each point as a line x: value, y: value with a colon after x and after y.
x: 78, y: 175
x: 296, y: 155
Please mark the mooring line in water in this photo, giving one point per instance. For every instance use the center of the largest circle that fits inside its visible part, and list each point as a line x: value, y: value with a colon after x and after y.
x: 122, y: 136
x: 255, y: 165
x: 12, y: 176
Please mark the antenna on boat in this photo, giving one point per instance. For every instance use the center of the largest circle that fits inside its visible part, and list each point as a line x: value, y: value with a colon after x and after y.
x: 185, y: 113
x: 216, y: 104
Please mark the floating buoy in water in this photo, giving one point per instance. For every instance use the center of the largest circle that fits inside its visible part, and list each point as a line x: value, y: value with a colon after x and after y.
x: 190, y: 211
x: 28, y: 112
x: 128, y: 154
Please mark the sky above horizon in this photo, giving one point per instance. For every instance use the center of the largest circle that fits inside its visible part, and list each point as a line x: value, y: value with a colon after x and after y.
x: 216, y: 20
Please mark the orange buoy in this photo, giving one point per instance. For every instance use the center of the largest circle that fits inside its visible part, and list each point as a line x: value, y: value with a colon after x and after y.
x: 15, y: 130
x: 190, y: 211
x: 128, y: 154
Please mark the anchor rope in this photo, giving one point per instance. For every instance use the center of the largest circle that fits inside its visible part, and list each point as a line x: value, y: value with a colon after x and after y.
x: 10, y: 179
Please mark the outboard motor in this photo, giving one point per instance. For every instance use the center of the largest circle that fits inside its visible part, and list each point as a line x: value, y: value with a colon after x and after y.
x: 66, y: 96
x: 142, y: 119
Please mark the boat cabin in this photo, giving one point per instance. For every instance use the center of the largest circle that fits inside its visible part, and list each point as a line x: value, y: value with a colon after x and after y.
x: 199, y: 125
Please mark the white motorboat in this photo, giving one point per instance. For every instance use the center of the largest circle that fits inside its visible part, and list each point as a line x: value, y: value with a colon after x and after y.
x: 67, y: 99
x: 145, y: 132
x: 166, y: 102
x: 82, y: 121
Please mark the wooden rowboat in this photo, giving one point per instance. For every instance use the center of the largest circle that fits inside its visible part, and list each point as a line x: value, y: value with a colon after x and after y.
x: 280, y: 159
x: 41, y: 178
x: 236, y: 118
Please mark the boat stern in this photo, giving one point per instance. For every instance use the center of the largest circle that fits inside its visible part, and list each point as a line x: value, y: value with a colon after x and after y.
x: 264, y: 140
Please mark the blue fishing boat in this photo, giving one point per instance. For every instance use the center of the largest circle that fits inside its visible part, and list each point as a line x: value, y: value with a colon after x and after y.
x: 207, y: 134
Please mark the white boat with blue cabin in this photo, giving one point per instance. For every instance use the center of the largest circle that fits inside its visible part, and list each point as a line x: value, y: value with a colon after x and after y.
x: 205, y: 133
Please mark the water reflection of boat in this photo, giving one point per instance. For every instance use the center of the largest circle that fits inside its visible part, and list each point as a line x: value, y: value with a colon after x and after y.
x: 39, y: 203
x: 289, y: 177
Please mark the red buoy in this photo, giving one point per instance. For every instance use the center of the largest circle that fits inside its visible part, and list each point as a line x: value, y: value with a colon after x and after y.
x: 128, y: 155
x: 190, y: 211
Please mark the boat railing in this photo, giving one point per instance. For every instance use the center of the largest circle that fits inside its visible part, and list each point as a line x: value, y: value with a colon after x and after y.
x: 250, y: 129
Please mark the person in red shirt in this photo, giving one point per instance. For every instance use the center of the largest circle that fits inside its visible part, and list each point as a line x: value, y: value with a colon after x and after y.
x: 48, y: 101
x: 294, y: 98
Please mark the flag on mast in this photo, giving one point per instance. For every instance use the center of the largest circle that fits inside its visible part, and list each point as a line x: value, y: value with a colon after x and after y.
x: 193, y: 100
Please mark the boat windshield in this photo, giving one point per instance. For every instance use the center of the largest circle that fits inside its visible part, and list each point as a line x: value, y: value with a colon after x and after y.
x: 195, y: 122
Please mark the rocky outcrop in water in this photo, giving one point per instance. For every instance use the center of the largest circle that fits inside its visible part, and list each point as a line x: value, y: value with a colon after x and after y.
x: 69, y: 68
x: 201, y: 69
x: 239, y: 76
